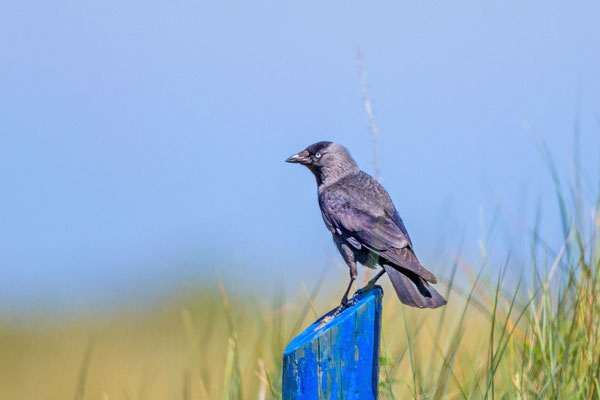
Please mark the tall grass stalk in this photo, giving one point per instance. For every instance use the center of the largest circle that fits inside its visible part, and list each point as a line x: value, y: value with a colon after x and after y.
x: 503, y: 337
x: 512, y: 330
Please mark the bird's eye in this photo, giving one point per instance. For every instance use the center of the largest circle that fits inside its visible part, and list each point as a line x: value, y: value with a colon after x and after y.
x: 317, y: 155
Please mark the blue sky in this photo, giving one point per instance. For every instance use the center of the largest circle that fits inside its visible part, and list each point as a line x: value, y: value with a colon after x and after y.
x: 142, y: 144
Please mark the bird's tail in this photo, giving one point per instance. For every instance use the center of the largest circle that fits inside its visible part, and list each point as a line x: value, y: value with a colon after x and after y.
x: 412, y: 290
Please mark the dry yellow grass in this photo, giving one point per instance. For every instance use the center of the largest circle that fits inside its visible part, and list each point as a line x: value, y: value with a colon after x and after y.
x: 535, y: 337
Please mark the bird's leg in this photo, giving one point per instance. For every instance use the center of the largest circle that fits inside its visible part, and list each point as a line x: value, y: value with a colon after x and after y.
x: 344, y: 303
x: 371, y: 284
x: 374, y: 280
x: 348, y: 256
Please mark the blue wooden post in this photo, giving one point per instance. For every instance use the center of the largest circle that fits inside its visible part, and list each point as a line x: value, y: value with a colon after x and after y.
x: 340, y: 360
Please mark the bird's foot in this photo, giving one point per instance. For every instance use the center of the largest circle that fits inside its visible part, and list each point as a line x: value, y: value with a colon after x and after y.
x: 339, y: 309
x: 367, y: 288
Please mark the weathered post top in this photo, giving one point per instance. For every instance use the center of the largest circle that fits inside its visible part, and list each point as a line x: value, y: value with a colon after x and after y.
x: 339, y: 360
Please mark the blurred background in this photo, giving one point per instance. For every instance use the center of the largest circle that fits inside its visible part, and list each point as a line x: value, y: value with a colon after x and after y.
x: 142, y: 150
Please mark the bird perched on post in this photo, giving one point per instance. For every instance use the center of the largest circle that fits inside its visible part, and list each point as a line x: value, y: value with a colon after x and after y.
x: 365, y: 225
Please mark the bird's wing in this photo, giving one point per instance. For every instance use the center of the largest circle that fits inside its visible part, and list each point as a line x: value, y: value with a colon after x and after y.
x: 343, y: 214
x: 362, y: 219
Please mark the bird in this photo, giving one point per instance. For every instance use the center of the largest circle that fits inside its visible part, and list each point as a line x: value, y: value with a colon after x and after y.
x: 366, y: 226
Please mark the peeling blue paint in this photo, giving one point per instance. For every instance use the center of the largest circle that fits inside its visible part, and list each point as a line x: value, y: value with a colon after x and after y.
x: 341, y: 359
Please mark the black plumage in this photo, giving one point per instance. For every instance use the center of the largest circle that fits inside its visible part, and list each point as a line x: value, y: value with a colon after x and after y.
x: 365, y: 225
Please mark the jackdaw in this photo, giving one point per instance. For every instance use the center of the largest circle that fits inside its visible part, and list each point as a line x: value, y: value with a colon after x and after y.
x: 365, y: 225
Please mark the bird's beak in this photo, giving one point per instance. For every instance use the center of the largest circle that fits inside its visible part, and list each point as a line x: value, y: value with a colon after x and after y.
x: 300, y: 158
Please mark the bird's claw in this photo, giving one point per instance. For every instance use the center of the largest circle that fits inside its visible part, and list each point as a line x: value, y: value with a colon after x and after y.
x: 350, y: 303
x: 363, y: 290
x: 339, y: 309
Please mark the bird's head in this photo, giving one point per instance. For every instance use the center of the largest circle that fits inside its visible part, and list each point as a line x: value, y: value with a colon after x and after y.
x: 328, y: 161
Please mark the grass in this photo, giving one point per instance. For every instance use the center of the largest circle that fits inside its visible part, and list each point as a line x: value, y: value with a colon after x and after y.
x: 534, y: 335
